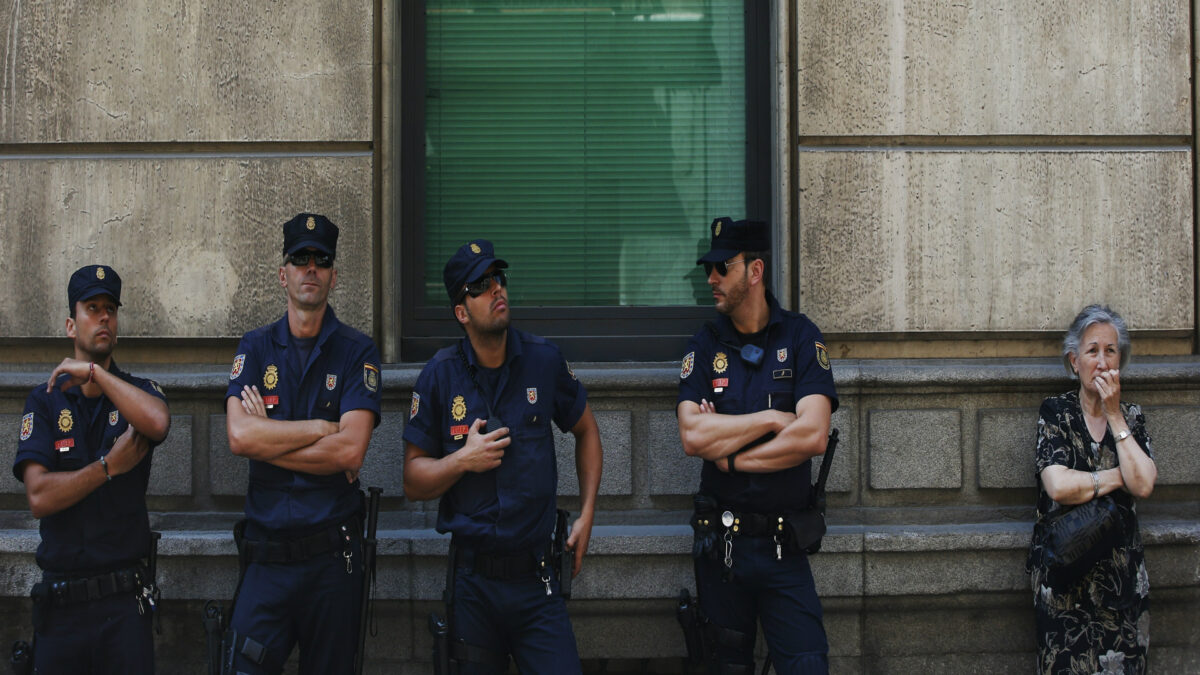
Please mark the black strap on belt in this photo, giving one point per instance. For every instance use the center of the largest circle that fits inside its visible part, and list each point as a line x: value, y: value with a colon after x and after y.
x: 500, y: 567
x: 464, y: 653
x: 295, y: 550
x: 73, y: 591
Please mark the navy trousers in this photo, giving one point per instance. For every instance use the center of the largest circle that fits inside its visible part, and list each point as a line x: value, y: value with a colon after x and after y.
x: 517, y: 618
x: 102, y: 636
x: 780, y: 593
x: 313, y: 602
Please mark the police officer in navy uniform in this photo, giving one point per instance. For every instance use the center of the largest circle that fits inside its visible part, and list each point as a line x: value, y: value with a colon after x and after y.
x: 756, y: 426
x: 302, y: 402
x: 86, y: 442
x: 496, y: 476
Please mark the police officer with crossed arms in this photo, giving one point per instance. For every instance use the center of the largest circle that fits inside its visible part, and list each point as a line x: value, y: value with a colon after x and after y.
x: 755, y: 397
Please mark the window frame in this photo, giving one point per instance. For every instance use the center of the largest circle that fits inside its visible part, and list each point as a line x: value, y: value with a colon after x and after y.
x: 584, y: 333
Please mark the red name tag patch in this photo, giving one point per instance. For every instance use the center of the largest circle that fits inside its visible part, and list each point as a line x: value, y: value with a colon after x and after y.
x: 270, y: 400
x: 64, y: 444
x: 459, y: 429
x: 720, y: 382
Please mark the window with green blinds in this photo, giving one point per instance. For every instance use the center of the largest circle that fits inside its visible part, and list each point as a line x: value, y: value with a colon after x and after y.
x: 592, y: 141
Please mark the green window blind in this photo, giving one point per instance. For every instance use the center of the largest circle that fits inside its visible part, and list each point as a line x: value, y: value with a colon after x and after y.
x: 592, y: 141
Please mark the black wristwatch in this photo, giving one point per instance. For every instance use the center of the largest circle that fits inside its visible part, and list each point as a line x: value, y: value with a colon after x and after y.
x: 731, y: 469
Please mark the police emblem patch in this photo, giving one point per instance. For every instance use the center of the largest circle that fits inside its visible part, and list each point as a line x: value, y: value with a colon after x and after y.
x: 717, y: 229
x: 64, y: 421
x: 371, y: 377
x: 99, y: 272
x: 475, y: 249
x: 271, y: 377
x: 238, y: 362
x: 781, y: 355
x: 458, y: 409
x: 26, y: 426
x: 531, y: 395
x: 330, y: 381
x: 720, y: 362
x: 685, y: 368
x: 155, y: 387
x: 822, y: 355
x: 571, y: 372
x: 416, y: 405
x: 311, y: 224
x: 113, y: 418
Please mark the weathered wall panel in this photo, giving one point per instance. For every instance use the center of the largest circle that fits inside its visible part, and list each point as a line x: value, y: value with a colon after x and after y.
x: 197, y: 241
x: 94, y: 72
x: 994, y: 241
x: 868, y: 67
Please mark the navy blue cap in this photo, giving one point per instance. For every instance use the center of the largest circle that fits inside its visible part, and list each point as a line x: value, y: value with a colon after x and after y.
x: 310, y: 229
x: 467, y: 264
x: 731, y: 237
x: 88, y: 282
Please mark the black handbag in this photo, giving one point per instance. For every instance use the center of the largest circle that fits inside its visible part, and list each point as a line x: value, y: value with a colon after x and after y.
x: 1073, y: 539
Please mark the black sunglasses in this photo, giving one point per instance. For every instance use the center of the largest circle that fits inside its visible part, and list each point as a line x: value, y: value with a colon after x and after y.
x: 482, y: 284
x: 721, y: 267
x: 301, y: 258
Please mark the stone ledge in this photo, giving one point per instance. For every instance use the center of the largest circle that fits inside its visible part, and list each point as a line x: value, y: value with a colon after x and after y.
x: 849, y: 374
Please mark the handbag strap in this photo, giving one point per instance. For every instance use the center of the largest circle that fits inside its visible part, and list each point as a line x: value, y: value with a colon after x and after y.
x: 826, y: 462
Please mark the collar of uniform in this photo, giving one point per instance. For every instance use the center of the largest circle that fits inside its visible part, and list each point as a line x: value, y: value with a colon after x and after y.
x: 512, y: 348
x: 329, y: 323
x: 725, y: 325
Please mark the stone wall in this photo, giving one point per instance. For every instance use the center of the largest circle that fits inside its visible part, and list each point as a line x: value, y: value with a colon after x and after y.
x: 931, y: 507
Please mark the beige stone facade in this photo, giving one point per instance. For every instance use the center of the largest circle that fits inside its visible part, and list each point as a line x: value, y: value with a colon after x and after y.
x: 953, y: 181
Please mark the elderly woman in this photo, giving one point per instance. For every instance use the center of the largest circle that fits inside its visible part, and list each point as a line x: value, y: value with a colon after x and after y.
x: 1090, y: 444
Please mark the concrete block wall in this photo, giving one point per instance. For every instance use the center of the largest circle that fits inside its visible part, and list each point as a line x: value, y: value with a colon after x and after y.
x: 930, y: 517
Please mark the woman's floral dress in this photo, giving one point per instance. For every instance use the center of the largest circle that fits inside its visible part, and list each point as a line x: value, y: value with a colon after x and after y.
x: 1102, y: 624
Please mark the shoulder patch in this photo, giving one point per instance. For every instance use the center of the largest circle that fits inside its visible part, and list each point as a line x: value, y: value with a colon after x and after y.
x: 822, y: 355
x: 154, y: 385
x: 238, y: 362
x: 416, y: 406
x: 26, y: 426
x: 113, y: 418
x: 531, y: 394
x: 370, y: 377
x: 330, y: 381
x: 685, y: 368
x: 569, y: 371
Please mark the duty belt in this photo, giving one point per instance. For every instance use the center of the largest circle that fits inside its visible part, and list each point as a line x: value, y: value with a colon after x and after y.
x: 298, y: 549
x: 74, y: 591
x: 741, y: 522
x: 499, y: 566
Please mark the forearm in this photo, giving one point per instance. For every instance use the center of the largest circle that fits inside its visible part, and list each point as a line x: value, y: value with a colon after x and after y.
x: 50, y: 492
x: 427, y: 477
x: 589, y: 465
x: 795, y: 444
x: 1069, y: 486
x: 714, y: 435
x: 265, y: 439
x: 148, y: 414
x: 1138, y: 471
x: 331, y: 454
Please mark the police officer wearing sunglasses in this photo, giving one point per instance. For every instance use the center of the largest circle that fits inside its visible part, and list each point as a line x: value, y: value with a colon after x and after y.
x: 87, y: 438
x: 302, y: 402
x: 479, y: 437
x: 755, y: 398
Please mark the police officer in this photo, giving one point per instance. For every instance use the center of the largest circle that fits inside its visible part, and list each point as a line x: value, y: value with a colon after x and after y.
x: 302, y: 401
x: 757, y: 425
x: 86, y: 442
x: 479, y: 437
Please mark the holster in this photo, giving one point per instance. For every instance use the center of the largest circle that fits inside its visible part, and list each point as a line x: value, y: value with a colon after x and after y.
x: 22, y: 658
x: 441, y: 644
x: 688, y: 614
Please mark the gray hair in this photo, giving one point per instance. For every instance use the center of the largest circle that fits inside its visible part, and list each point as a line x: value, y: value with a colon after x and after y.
x: 1089, y: 316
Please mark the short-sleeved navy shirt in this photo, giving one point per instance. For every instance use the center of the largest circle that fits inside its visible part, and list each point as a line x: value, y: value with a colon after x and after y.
x: 795, y: 365
x: 342, y: 374
x: 65, y: 431
x: 510, y: 508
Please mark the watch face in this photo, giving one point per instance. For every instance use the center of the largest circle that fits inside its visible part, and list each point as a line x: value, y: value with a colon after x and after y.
x: 727, y: 519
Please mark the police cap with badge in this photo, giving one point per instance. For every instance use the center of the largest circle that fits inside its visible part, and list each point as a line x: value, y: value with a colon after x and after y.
x: 468, y: 264
x: 310, y: 230
x: 92, y: 280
